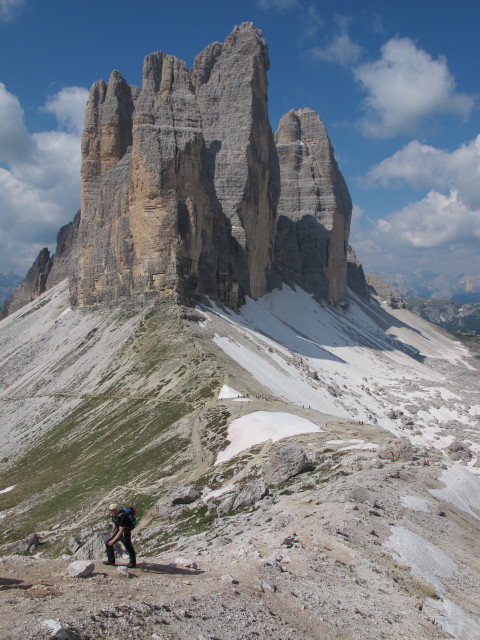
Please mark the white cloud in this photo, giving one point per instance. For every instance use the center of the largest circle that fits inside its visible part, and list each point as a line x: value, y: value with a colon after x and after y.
x: 341, y: 49
x: 440, y: 231
x: 437, y: 220
x: 14, y: 138
x: 419, y: 165
x: 68, y: 105
x: 40, y: 185
x: 405, y: 86
x: 9, y: 9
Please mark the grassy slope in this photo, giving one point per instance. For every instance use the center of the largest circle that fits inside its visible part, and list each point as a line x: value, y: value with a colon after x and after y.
x: 118, y: 445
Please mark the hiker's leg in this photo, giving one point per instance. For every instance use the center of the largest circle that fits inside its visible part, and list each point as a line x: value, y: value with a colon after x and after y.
x: 127, y: 541
x: 110, y: 550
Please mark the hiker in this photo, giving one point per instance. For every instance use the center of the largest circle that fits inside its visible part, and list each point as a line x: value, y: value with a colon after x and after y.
x: 121, y: 532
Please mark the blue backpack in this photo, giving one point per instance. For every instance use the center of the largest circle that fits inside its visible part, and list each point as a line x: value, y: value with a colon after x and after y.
x: 131, y: 512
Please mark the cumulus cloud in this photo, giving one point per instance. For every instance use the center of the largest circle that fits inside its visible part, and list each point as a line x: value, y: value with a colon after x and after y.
x: 15, y: 141
x: 442, y: 228
x: 9, y: 9
x: 405, y: 86
x: 420, y: 165
x: 68, y: 105
x: 341, y: 49
x: 39, y: 182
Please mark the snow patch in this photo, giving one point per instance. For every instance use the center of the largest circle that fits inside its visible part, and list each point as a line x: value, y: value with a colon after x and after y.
x: 8, y: 489
x: 260, y: 426
x: 462, y: 489
x: 219, y: 492
x: 416, y: 504
x: 421, y: 556
x: 227, y: 392
x: 452, y: 619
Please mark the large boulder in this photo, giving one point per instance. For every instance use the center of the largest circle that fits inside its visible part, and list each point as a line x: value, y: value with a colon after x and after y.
x: 246, y: 495
x: 183, y: 494
x: 396, y: 449
x: 286, y: 459
x: 80, y: 569
x: 92, y: 547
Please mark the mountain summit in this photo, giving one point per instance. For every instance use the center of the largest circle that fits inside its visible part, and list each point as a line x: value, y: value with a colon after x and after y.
x: 187, y: 192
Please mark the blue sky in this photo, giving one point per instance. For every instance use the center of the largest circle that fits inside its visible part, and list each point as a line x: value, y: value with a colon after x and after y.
x: 396, y: 84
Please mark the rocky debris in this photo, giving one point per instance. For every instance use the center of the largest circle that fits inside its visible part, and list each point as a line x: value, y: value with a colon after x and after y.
x: 123, y: 571
x: 286, y: 459
x: 396, y: 449
x: 458, y: 451
x: 55, y: 630
x: 265, y: 585
x: 74, y: 544
x: 362, y: 494
x: 80, y: 569
x: 245, y: 495
x: 30, y: 544
x: 312, y: 563
x: 183, y: 494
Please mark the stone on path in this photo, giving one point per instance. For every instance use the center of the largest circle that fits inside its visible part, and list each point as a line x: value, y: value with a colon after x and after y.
x: 81, y: 568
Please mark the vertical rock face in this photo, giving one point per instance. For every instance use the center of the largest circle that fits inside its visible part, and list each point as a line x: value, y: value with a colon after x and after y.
x: 186, y: 192
x: 34, y: 284
x: 64, y: 252
x: 231, y: 91
x: 314, y: 210
x: 180, y: 179
x: 356, y: 278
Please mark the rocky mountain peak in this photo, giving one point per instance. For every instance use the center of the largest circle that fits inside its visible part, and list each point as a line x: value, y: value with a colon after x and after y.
x: 186, y: 192
x: 314, y: 209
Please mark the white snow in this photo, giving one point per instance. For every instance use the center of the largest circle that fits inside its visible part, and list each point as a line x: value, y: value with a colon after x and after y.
x: 219, y: 492
x: 462, y: 489
x: 261, y: 426
x: 355, y: 444
x: 356, y: 362
x: 415, y: 503
x: 423, y: 557
x: 227, y: 392
x: 8, y: 489
x: 452, y: 619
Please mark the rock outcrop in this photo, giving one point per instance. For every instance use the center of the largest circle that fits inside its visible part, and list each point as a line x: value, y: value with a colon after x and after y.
x: 314, y: 210
x: 185, y: 191
x: 34, y: 284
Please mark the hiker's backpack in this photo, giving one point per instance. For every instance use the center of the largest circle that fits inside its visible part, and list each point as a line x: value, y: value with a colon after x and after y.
x: 131, y: 513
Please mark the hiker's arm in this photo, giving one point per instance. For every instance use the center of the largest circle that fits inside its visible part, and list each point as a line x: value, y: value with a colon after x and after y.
x: 117, y: 537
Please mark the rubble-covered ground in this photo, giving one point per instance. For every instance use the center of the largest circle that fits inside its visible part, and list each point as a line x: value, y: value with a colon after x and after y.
x: 308, y: 473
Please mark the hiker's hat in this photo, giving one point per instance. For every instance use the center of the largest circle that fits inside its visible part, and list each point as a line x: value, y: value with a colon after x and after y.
x: 113, y: 507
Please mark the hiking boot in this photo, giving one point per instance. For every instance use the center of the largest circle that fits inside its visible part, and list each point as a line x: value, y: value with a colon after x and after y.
x: 108, y: 562
x: 131, y: 565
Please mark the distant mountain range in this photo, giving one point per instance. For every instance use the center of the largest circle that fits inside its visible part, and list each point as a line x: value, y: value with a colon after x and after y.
x: 459, y: 313
x: 462, y: 289
x: 8, y: 282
